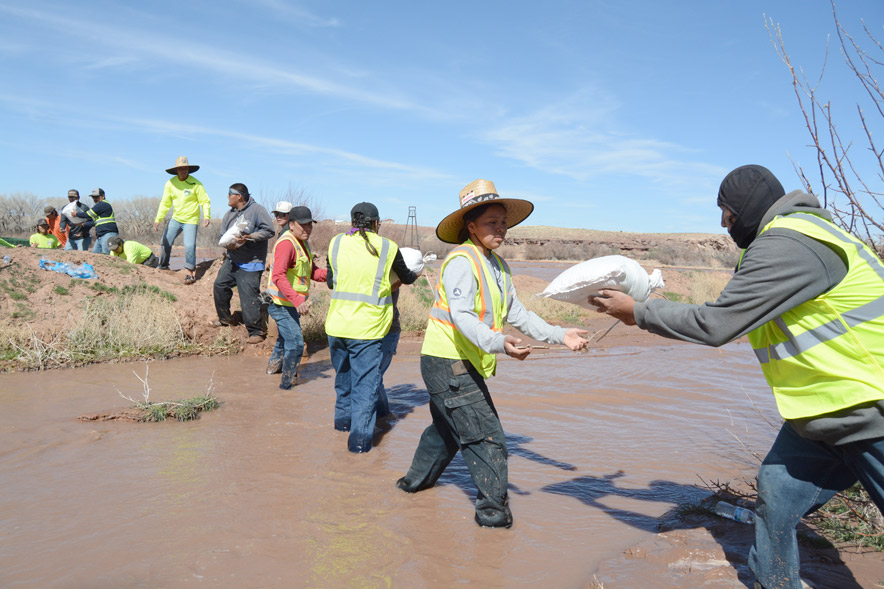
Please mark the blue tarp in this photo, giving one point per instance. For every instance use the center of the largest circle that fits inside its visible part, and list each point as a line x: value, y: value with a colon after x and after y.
x: 84, y: 270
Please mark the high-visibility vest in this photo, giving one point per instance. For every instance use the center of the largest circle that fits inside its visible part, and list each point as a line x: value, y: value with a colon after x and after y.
x: 443, y: 339
x: 827, y: 354
x: 361, y: 304
x: 102, y: 220
x: 298, y: 275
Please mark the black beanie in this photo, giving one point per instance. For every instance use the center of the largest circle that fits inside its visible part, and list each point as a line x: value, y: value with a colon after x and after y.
x: 748, y: 192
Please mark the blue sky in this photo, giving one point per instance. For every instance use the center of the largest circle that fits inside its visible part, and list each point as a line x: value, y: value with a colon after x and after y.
x: 611, y: 115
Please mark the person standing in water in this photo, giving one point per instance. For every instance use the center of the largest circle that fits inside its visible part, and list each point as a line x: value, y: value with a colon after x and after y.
x: 474, y: 297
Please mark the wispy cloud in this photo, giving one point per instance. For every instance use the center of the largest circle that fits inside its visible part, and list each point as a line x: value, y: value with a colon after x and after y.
x: 294, y: 13
x: 579, y: 137
x: 150, y: 45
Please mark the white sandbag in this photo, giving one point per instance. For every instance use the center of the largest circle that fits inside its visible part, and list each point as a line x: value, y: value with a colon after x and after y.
x: 579, y: 282
x: 238, y: 228
x: 70, y: 211
x: 414, y: 259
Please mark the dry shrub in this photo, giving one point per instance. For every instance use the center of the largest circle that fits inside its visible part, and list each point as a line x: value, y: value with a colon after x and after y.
x: 706, y: 286
x: 139, y: 325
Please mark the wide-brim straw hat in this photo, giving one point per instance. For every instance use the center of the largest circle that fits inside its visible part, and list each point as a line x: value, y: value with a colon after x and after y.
x: 474, y: 194
x: 181, y: 162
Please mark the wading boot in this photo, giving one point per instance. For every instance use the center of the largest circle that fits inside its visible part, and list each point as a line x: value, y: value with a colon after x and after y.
x: 290, y: 361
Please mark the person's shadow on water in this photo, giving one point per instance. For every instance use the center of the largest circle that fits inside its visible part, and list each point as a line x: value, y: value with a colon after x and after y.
x: 403, y: 399
x: 591, y: 489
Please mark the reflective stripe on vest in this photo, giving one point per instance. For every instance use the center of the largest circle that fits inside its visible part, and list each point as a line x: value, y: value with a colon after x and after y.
x: 298, y: 275
x: 102, y: 220
x: 443, y: 339
x: 361, y: 305
x: 827, y: 354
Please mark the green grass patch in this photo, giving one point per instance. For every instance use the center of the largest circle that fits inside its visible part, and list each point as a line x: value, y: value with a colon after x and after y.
x: 181, y: 410
x: 60, y: 290
x: 22, y: 312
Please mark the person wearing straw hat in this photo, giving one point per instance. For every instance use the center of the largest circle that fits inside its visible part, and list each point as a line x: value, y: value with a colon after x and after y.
x: 43, y: 239
x: 474, y: 297
x: 359, y: 316
x: 185, y: 195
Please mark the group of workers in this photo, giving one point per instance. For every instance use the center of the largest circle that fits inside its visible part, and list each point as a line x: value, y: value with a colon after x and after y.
x: 71, y: 229
x: 809, y: 296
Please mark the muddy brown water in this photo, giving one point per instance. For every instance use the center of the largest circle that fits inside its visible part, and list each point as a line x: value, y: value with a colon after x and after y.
x: 262, y: 493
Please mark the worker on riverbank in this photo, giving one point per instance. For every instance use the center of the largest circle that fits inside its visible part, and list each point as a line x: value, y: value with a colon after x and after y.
x: 77, y: 227
x: 289, y: 288
x: 474, y: 297
x: 186, y: 196
x: 43, y: 239
x: 102, y: 214
x: 359, y: 316
x: 809, y: 297
x: 54, y: 220
x: 243, y: 262
x: 132, y: 251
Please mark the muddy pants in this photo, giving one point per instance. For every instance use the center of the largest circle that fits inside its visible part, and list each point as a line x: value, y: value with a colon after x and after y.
x: 464, y: 418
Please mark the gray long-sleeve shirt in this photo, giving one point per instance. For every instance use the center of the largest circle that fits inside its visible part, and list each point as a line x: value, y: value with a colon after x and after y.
x: 261, y: 228
x: 460, y: 290
x: 780, y: 270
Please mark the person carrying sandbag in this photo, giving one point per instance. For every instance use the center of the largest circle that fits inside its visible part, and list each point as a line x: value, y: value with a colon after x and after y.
x: 474, y: 297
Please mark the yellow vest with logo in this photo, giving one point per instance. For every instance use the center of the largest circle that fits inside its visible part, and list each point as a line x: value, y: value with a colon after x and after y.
x: 361, y: 304
x: 443, y: 339
x: 298, y: 275
x: 827, y: 354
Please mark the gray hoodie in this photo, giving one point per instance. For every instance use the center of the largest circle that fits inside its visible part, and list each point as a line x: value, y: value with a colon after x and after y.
x: 780, y: 270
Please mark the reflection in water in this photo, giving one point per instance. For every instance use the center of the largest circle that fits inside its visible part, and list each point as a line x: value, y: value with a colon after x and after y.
x: 262, y: 492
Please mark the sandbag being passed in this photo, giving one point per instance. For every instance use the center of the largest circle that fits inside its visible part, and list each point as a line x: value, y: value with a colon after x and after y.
x: 579, y: 282
x: 238, y: 228
x: 414, y: 259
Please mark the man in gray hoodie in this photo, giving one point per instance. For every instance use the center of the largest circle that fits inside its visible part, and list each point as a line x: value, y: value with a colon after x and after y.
x: 810, y: 297
x: 244, y: 262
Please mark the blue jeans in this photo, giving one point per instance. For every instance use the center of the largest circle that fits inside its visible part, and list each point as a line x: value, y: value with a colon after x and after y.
x: 100, y: 246
x: 464, y: 418
x: 289, y: 346
x: 81, y: 244
x: 797, y: 477
x: 172, y: 232
x: 357, y: 373
x: 388, y: 350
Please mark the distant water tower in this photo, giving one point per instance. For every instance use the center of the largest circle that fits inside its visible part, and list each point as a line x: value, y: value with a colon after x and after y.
x: 412, y: 239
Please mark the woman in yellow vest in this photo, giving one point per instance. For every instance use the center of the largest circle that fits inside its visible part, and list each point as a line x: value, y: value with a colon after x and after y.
x: 292, y: 269
x: 359, y: 316
x: 474, y: 297
x: 810, y: 297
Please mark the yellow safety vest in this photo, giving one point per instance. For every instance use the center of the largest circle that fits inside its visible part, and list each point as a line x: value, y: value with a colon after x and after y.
x: 361, y: 304
x: 298, y: 275
x: 443, y: 339
x: 827, y: 354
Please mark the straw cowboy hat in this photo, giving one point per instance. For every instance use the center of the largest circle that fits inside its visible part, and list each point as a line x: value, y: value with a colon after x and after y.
x: 480, y: 192
x: 181, y: 162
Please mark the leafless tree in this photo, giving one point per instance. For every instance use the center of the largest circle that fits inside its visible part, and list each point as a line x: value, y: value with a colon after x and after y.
x: 855, y: 201
x: 298, y: 197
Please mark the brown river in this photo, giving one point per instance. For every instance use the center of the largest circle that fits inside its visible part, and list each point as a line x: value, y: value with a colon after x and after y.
x: 263, y: 493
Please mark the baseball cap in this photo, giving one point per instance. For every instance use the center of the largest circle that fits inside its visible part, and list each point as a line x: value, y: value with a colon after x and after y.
x: 114, y: 242
x: 41, y: 221
x: 73, y: 193
x: 282, y: 206
x: 97, y: 192
x: 367, y: 210
x: 49, y: 210
x: 301, y: 215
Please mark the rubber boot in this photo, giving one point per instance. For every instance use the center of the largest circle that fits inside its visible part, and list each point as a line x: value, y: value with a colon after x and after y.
x: 290, y: 362
x: 274, y: 364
